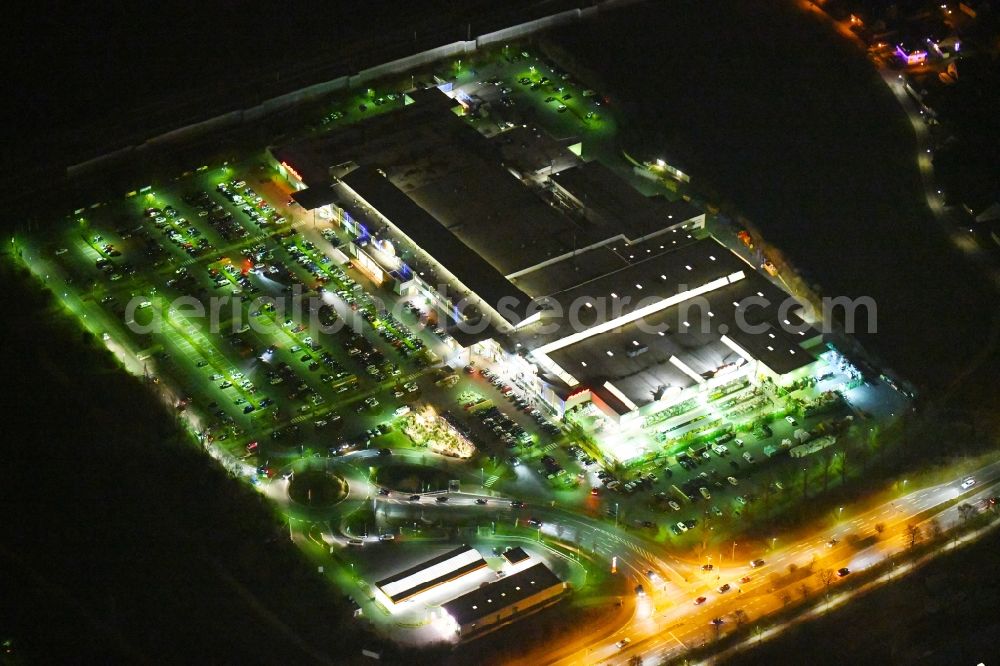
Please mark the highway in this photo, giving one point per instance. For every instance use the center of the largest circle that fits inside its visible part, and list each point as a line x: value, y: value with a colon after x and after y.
x: 667, y: 622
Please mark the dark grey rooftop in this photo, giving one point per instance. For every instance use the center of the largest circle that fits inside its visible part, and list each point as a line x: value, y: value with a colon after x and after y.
x: 610, y: 200
x: 315, y: 196
x: 495, y: 214
x: 515, y: 555
x: 489, y: 599
x: 635, y: 356
x: 414, y: 222
x: 639, y: 281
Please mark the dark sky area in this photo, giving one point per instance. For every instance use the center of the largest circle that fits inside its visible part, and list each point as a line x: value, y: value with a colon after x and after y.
x: 80, y: 78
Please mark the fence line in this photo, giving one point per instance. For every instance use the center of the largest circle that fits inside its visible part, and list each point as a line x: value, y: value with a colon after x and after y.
x: 241, y: 117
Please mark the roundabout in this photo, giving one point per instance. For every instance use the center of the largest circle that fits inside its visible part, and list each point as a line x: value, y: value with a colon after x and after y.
x: 317, y: 489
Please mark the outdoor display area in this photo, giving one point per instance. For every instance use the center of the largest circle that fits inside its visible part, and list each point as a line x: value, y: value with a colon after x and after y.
x: 426, y: 428
x: 736, y: 409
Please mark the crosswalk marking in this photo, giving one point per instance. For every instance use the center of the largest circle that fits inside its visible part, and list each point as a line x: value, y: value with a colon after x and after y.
x: 549, y: 447
x: 490, y: 481
x: 642, y: 551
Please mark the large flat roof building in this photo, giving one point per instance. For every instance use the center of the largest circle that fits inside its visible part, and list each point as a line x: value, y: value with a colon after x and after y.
x: 503, y: 601
x: 608, y: 200
x: 427, y: 575
x: 586, y: 288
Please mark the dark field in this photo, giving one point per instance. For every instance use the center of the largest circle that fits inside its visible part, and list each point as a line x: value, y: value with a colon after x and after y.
x: 945, y: 613
x: 787, y: 122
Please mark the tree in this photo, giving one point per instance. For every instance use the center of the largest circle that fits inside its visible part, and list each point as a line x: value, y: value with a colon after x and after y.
x: 874, y: 441
x: 861, y: 451
x: 966, y: 512
x: 804, y: 590
x: 912, y: 535
x: 740, y: 617
x: 934, y: 530
x: 785, y: 597
x: 843, y: 466
x: 827, y: 464
x: 826, y: 577
x: 766, y: 492
x: 879, y: 528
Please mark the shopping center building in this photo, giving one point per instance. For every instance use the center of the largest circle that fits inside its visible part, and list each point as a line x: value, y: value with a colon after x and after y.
x: 574, y: 285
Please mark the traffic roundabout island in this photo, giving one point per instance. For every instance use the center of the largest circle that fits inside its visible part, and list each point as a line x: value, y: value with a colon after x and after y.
x: 317, y: 488
x: 411, y: 478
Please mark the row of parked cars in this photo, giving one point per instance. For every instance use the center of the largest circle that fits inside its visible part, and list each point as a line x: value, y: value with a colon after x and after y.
x: 220, y: 219
x: 308, y: 259
x: 504, y: 427
x: 394, y: 332
x: 256, y: 208
x: 179, y: 231
x: 520, y: 402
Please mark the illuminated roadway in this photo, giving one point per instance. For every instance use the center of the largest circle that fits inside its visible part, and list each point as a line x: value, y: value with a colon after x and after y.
x: 668, y: 622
